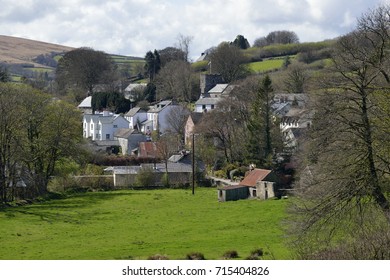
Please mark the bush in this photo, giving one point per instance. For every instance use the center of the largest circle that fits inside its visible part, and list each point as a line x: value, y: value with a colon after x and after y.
x: 256, y: 254
x: 230, y: 255
x: 220, y: 174
x: 195, y: 256
x: 145, y: 178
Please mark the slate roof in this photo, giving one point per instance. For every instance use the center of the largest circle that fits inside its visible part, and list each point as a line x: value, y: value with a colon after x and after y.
x: 160, y: 106
x: 254, y: 176
x: 208, y: 101
x: 173, y: 167
x: 125, y: 132
x: 196, y: 117
x: 218, y: 88
x: 134, y: 111
x: 86, y: 103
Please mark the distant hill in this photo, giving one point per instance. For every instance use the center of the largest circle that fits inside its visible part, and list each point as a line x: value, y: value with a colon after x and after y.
x: 15, y: 50
x: 24, y: 57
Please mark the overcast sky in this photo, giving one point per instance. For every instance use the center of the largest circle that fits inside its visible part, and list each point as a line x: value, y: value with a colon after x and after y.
x: 132, y: 27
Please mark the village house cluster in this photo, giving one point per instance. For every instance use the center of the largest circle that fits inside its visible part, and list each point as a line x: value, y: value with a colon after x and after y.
x: 132, y: 133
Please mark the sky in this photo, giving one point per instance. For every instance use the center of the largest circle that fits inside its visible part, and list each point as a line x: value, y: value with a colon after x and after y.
x: 133, y: 27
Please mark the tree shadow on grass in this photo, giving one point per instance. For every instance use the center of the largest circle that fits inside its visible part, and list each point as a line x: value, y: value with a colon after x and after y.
x: 65, y: 209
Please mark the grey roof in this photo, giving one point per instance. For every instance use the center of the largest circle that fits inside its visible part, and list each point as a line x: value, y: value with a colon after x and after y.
x: 86, y: 103
x: 175, y: 158
x: 126, y: 169
x: 196, y: 117
x: 106, y: 142
x: 218, y: 88
x: 125, y: 132
x: 134, y: 111
x: 173, y: 167
x: 160, y: 106
x: 208, y: 101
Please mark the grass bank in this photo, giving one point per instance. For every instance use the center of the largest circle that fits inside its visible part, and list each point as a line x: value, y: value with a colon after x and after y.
x: 137, y: 224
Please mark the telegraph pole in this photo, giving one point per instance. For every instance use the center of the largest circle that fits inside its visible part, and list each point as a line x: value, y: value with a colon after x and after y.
x: 193, y: 163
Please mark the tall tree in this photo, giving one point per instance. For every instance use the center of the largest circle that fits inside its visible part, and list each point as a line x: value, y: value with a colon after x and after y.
x: 34, y: 135
x: 152, y: 64
x: 241, y: 42
x: 183, y: 43
x: 82, y: 69
x: 227, y: 60
x: 171, y: 54
x: 177, y: 118
x: 282, y: 37
x: 174, y: 81
x: 296, y: 80
x: 11, y: 125
x: 344, y: 211
x: 260, y: 124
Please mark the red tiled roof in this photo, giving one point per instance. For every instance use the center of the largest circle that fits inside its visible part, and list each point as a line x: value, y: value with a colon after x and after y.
x: 255, y: 176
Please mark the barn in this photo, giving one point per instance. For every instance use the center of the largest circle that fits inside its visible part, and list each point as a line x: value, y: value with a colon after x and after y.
x: 231, y: 193
x: 258, y: 183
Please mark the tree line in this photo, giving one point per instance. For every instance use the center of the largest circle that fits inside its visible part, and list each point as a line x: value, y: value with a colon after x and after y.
x: 35, y: 132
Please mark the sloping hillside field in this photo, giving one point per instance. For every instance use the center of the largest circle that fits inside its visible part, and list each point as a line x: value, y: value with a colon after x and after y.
x: 142, y: 223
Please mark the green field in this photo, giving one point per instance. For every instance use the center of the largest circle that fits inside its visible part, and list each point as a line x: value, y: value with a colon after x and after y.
x: 135, y: 224
x: 266, y: 65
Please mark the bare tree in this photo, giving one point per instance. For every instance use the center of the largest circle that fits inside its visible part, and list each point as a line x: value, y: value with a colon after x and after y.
x: 177, y: 118
x: 167, y: 145
x: 183, y: 43
x: 345, y: 199
x: 174, y: 81
x: 297, y: 79
x: 227, y: 60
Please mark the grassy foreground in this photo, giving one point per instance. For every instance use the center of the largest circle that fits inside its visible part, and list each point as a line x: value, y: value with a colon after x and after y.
x: 140, y: 223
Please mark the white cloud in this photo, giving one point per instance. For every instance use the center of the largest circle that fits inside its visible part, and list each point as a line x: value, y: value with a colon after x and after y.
x: 136, y: 26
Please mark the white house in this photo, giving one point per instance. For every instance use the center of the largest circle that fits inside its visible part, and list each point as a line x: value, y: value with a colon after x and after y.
x: 206, y: 104
x: 101, y: 127
x: 296, y: 118
x: 209, y: 100
x: 158, y: 117
x: 136, y: 116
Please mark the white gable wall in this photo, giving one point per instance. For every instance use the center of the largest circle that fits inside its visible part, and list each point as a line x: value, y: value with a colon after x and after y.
x: 99, y: 127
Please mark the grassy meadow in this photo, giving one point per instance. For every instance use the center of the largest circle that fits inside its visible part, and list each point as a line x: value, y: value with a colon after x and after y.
x: 135, y: 224
x: 266, y: 65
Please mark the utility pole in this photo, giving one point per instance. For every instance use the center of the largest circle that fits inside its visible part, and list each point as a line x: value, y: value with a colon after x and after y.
x: 193, y: 163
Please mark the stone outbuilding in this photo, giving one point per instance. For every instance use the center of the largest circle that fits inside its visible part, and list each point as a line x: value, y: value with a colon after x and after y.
x: 258, y: 183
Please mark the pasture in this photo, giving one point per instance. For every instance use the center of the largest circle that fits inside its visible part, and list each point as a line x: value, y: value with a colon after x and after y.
x: 266, y: 65
x: 136, y: 224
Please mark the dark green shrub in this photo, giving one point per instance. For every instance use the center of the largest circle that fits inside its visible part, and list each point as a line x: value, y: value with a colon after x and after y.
x: 195, y: 256
x: 256, y: 254
x: 230, y: 255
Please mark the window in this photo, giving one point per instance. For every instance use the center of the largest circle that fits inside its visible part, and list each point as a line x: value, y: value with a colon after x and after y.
x: 107, y: 136
x: 203, y: 107
x: 115, y: 126
x: 212, y: 106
